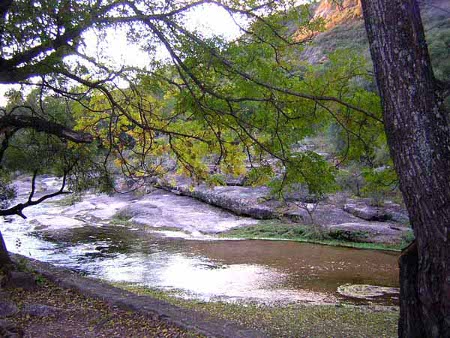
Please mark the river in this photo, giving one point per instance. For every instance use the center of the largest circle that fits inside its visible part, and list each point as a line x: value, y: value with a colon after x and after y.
x: 194, y: 264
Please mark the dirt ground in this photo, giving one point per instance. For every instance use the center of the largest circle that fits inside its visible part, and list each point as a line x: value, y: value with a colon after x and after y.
x: 51, y: 311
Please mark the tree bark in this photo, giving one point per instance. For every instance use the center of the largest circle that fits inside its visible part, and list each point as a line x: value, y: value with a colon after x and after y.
x: 5, y: 262
x: 418, y: 134
x: 17, y: 122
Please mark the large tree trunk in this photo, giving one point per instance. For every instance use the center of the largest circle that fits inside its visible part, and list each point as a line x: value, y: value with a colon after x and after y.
x: 419, y: 139
x: 5, y: 262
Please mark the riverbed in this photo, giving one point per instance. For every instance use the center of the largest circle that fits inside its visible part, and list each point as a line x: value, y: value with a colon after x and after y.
x: 175, y: 248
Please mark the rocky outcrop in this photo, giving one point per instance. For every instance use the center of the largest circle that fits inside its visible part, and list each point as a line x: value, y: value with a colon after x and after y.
x: 387, y: 212
x: 354, y: 220
x: 335, y: 14
x: 364, y: 224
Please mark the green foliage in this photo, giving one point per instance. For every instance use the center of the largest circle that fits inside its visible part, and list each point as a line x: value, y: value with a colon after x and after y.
x: 259, y: 176
x: 216, y: 180
x: 277, y: 230
x: 309, y: 169
x: 348, y: 236
x: 216, y: 107
x: 7, y: 192
x: 31, y: 151
x: 379, y: 183
x: 351, y: 179
x: 70, y: 200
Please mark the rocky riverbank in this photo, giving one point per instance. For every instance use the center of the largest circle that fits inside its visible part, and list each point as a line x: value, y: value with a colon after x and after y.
x: 215, y: 210
x: 131, y: 239
x: 355, y: 219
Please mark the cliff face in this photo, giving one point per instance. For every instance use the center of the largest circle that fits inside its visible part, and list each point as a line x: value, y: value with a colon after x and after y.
x: 344, y: 28
x: 335, y: 14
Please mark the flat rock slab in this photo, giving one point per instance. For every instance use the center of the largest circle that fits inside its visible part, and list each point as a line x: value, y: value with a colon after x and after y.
x: 187, y: 214
x: 388, y: 212
x: 370, y: 232
x: 55, y: 222
x: 364, y: 291
x: 190, y: 320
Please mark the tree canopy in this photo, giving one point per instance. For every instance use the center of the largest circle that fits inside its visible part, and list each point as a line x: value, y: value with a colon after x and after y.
x: 214, y: 107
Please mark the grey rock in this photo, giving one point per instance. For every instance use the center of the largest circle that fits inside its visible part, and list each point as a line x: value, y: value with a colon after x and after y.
x: 138, y: 210
x: 245, y: 201
x: 369, y: 232
x: 39, y: 310
x: 23, y: 280
x: 7, y: 308
x: 9, y: 330
x: 367, y: 212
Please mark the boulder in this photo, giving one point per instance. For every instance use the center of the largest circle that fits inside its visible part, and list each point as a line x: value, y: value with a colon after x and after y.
x: 369, y: 232
x: 9, y: 330
x: 39, y: 310
x: 367, y: 212
x: 23, y: 280
x: 7, y: 308
x: 138, y: 210
x: 388, y: 212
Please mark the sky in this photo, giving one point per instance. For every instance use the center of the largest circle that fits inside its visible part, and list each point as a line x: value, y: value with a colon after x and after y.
x: 211, y: 20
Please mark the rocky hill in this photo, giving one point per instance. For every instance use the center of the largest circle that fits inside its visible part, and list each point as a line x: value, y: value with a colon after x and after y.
x: 345, y: 29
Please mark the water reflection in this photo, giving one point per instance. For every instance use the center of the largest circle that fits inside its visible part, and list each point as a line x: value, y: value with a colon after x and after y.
x: 231, y: 270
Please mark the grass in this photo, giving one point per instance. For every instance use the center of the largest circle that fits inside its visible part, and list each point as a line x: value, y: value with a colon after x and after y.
x: 68, y: 200
x: 293, y: 320
x: 277, y: 230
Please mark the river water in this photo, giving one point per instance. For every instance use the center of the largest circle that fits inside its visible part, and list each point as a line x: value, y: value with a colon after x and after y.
x: 195, y: 266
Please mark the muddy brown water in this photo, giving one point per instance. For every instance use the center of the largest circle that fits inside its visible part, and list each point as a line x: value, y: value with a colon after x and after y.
x: 270, y: 272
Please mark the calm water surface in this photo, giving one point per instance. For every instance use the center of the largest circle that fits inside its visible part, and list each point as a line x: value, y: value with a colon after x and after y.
x: 261, y: 271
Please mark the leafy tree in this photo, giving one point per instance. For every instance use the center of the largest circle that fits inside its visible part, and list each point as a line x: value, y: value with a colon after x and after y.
x: 213, y: 102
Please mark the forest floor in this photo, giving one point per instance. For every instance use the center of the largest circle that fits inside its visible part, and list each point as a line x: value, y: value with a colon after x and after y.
x: 47, y: 310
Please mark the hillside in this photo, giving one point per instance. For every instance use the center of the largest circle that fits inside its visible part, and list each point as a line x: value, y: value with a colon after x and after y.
x: 345, y: 29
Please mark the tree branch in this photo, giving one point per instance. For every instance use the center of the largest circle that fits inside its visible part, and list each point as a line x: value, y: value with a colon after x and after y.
x: 42, y: 125
x: 18, y: 208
